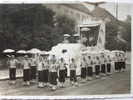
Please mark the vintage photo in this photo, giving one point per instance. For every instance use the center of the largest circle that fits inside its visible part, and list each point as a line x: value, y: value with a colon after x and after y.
x: 65, y: 49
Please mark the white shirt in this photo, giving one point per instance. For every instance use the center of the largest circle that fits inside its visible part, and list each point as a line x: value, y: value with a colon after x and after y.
x: 62, y: 66
x: 12, y: 63
x: 73, y: 66
x: 97, y: 62
x: 33, y: 62
x: 40, y: 66
x: 53, y: 68
x: 26, y: 64
x: 102, y: 60
x: 83, y: 64
x: 108, y: 60
x: 45, y: 65
x: 89, y: 62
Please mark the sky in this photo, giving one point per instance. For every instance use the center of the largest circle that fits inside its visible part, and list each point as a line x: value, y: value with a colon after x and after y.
x: 124, y: 9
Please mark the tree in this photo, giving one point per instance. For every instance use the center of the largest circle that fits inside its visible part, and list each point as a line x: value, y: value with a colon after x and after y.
x: 63, y: 25
x: 126, y: 32
x: 32, y: 26
x: 111, y: 36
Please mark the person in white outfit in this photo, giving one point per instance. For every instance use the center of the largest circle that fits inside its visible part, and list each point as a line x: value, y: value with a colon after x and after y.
x: 73, y: 67
x: 40, y: 72
x: 26, y: 70
x: 89, y: 68
x: 62, y: 72
x: 12, y: 69
x: 83, y: 69
x: 53, y: 73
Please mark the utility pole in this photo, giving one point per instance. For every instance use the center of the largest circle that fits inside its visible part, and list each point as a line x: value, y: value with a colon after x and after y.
x: 117, y: 9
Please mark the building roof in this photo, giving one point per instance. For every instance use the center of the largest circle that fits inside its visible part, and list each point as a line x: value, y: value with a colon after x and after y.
x: 102, y: 13
x: 79, y: 7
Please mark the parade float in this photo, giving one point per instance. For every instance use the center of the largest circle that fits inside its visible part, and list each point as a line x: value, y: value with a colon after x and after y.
x: 90, y: 40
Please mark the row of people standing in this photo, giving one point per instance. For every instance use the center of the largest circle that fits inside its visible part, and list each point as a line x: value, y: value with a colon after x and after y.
x: 95, y: 66
x: 50, y: 72
x: 101, y: 65
x: 47, y: 71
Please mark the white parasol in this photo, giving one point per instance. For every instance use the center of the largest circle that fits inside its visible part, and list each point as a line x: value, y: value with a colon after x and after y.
x: 66, y: 35
x: 85, y: 29
x: 8, y: 51
x: 44, y: 53
x: 21, y: 52
x: 34, y: 51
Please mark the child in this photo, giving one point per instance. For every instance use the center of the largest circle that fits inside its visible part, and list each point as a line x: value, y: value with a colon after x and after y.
x: 97, y: 66
x: 90, y: 68
x: 62, y: 72
x: 123, y: 62
x: 33, y: 69
x: 12, y: 69
x: 116, y: 62
x: 53, y: 73
x: 26, y: 71
x: 83, y: 69
x: 119, y: 64
x: 108, y: 65
x: 73, y: 67
x: 40, y: 72
x: 45, y: 71
x: 103, y: 67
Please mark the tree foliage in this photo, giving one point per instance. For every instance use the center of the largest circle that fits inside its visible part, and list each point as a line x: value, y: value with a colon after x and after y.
x: 33, y: 26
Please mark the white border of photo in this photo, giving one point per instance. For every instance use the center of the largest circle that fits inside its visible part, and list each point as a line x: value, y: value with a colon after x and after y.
x: 107, y: 97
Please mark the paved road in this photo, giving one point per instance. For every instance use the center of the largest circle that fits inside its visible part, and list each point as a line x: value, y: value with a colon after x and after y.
x: 118, y: 83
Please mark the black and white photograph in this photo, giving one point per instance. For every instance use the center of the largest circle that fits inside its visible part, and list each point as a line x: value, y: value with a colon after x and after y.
x: 77, y: 48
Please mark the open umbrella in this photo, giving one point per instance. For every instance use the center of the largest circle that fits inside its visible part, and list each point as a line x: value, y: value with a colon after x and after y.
x: 85, y: 29
x: 44, y: 53
x: 21, y: 52
x: 34, y: 51
x: 66, y: 35
x: 8, y: 51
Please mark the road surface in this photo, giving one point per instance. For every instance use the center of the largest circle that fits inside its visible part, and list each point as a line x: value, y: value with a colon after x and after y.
x: 118, y: 83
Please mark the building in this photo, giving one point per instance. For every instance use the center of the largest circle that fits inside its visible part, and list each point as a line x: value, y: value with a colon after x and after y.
x: 76, y: 11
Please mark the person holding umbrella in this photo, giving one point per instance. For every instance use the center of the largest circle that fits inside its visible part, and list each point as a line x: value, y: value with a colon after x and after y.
x: 12, y: 69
